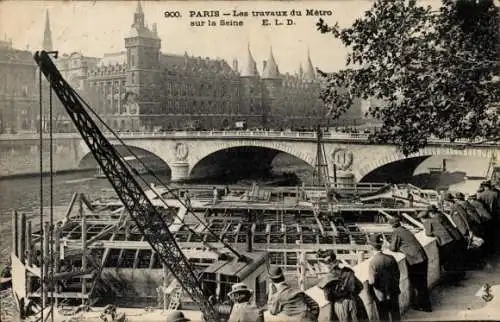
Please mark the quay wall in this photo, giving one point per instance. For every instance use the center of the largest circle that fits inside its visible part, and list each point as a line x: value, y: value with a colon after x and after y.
x: 22, y: 157
x: 361, y: 271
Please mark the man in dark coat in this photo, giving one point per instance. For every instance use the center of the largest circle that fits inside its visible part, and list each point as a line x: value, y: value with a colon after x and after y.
x: 404, y: 241
x: 459, y: 216
x: 450, y: 241
x: 344, y: 293
x: 290, y: 304
x: 473, y: 218
x: 490, y: 199
x: 383, y: 278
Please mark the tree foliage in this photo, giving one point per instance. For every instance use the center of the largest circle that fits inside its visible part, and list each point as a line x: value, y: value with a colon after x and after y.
x: 432, y: 68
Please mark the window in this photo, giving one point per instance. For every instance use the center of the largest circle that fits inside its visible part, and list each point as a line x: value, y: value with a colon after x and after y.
x: 132, y: 60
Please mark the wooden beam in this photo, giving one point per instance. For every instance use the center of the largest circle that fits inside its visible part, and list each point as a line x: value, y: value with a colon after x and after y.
x: 15, y: 232
x: 22, y: 237
x: 70, y: 207
x: 412, y: 220
x: 257, y: 246
x: 64, y: 295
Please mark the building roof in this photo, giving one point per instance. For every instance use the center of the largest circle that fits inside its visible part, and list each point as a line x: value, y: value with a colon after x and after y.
x: 114, y: 58
x: 271, y: 69
x: 309, y: 73
x: 250, y: 68
x: 195, y: 64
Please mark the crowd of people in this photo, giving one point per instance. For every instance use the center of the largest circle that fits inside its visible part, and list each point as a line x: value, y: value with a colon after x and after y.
x: 464, y: 229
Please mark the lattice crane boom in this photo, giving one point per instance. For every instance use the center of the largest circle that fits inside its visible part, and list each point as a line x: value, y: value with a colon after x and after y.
x: 147, y: 218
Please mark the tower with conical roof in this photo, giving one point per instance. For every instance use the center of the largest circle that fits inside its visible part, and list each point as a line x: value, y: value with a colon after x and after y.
x: 270, y: 69
x: 309, y: 74
x: 47, y: 34
x: 251, y: 89
x: 143, y: 65
x: 250, y: 67
x: 273, y: 91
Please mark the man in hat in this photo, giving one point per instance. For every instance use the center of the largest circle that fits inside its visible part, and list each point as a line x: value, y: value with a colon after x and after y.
x: 176, y: 316
x: 404, y: 241
x: 459, y: 216
x: 343, y: 294
x: 450, y: 242
x: 328, y: 284
x: 383, y: 278
x: 473, y: 218
x: 291, y: 304
x: 490, y: 199
x: 488, y: 226
x: 242, y: 310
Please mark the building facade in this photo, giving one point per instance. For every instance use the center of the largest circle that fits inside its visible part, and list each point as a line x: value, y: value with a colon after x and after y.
x: 18, y: 94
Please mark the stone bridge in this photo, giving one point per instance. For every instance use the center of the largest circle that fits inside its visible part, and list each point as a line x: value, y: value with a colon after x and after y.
x: 210, y: 153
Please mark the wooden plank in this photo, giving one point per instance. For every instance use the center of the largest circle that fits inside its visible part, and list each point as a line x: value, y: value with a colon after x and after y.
x: 271, y: 246
x: 412, y: 220
x: 64, y: 295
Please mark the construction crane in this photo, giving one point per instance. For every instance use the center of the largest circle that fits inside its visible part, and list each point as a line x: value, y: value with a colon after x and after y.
x: 149, y: 221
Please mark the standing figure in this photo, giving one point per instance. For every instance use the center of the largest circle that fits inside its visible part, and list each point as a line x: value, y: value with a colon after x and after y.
x: 242, y: 310
x: 490, y: 199
x: 215, y: 195
x: 451, y: 244
x: 288, y: 303
x: 344, y: 293
x: 488, y: 227
x: 405, y: 242
x: 383, y: 278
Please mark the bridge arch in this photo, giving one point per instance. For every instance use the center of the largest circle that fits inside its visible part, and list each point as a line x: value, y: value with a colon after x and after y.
x: 414, y: 160
x: 241, y: 160
x: 153, y: 161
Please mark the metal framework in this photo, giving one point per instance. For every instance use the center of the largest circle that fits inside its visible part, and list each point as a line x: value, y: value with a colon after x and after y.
x: 321, y: 175
x: 147, y: 218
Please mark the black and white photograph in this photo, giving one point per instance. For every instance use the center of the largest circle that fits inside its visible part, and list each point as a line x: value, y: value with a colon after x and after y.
x: 249, y: 161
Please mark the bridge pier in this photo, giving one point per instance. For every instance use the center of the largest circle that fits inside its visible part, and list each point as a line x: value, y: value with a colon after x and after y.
x: 180, y: 171
x: 345, y: 179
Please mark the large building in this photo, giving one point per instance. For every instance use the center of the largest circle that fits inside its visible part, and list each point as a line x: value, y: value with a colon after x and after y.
x: 18, y: 94
x: 143, y: 89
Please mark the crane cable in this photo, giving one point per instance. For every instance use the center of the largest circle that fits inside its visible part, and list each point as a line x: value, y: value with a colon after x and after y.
x: 42, y: 261
x: 51, y: 204
x: 218, y: 238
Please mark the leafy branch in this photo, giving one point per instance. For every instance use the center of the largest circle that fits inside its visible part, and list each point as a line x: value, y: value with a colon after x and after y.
x: 432, y: 69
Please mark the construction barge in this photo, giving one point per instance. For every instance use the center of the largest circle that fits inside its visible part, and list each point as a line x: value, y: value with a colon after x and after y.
x: 99, y: 256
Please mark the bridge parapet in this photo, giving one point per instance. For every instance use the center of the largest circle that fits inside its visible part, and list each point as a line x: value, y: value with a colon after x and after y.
x: 327, y: 136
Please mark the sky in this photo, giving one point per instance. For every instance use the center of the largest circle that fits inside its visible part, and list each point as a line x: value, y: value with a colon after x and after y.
x: 97, y: 27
